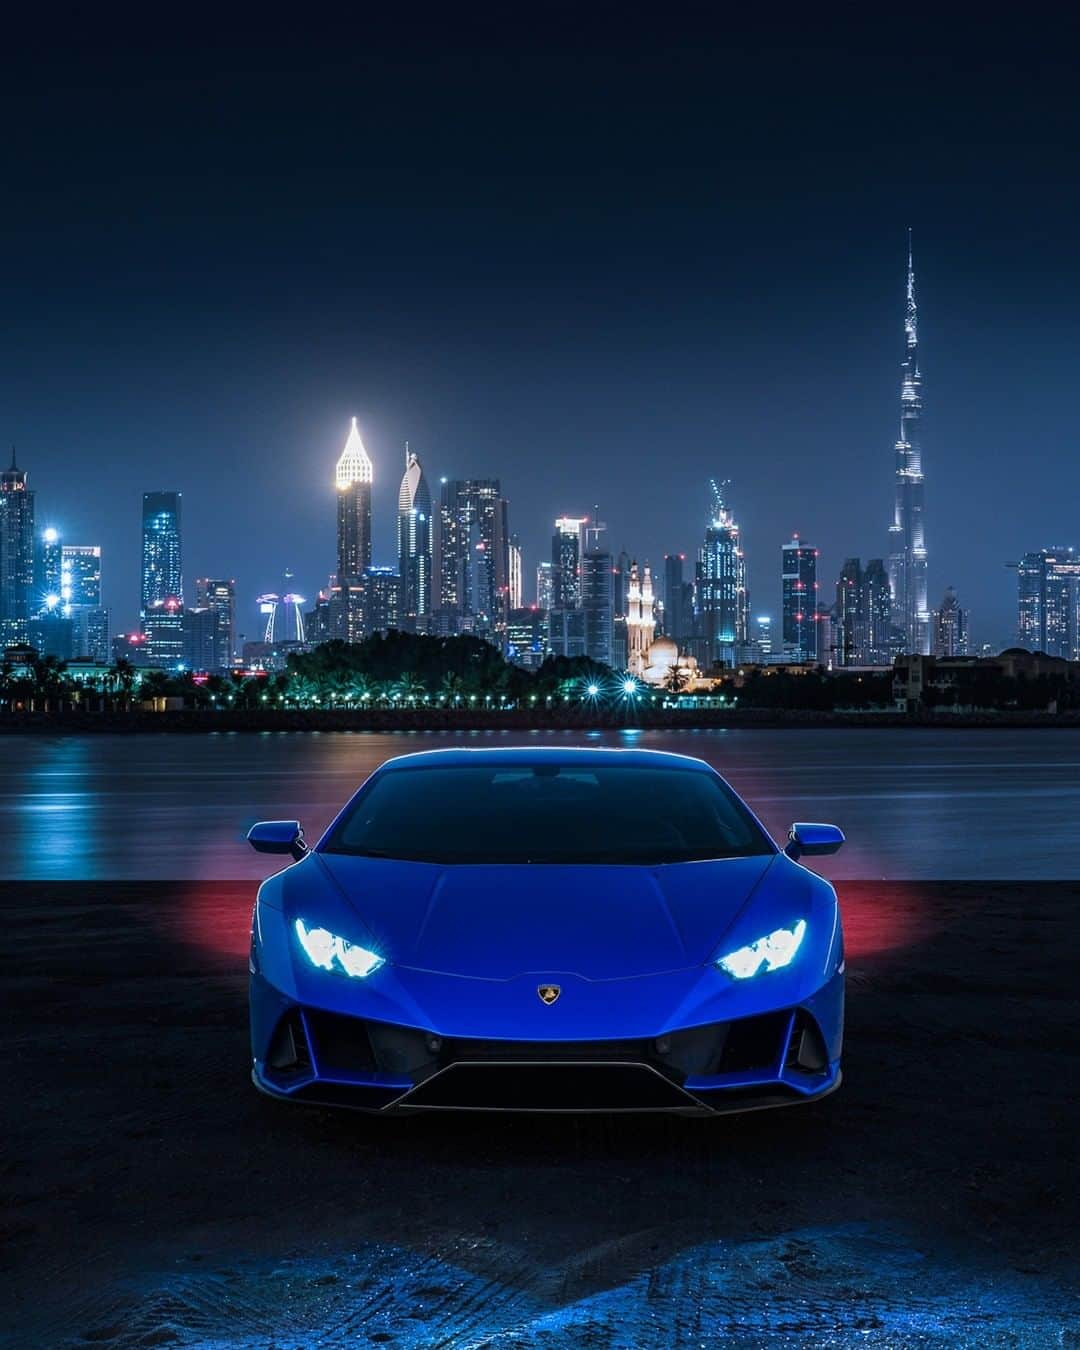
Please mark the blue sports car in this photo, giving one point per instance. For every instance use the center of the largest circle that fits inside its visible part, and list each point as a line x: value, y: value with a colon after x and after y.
x: 546, y: 930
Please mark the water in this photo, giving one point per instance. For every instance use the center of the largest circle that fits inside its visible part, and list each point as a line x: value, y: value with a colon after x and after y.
x: 965, y: 804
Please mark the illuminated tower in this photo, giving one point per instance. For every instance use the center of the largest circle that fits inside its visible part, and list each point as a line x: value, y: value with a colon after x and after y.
x: 722, y: 600
x: 162, y: 575
x: 16, y: 555
x: 473, y: 567
x: 566, y: 553
x: 907, y: 542
x: 798, y: 579
x: 414, y: 546
x: 640, y: 620
x: 353, y: 480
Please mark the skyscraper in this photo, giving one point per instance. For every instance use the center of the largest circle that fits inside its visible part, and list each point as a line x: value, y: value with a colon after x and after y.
x: 850, y: 615
x: 799, y: 586
x: 877, y: 609
x: 566, y: 549
x: 473, y: 556
x: 16, y: 555
x: 545, y: 585
x: 414, y: 543
x: 50, y: 565
x: 678, y: 598
x: 950, y: 627
x: 907, y: 542
x: 514, y: 572
x: 1048, y: 596
x: 162, y: 573
x: 721, y: 596
x: 597, y: 600
x: 80, y: 574
x: 353, y: 479
x: 219, y: 594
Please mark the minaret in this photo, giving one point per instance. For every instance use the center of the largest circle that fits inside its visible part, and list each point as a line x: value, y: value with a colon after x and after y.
x: 640, y: 620
x: 353, y: 479
x: 907, y: 541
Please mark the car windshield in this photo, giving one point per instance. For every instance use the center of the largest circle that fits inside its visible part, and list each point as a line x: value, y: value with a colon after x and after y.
x: 548, y: 813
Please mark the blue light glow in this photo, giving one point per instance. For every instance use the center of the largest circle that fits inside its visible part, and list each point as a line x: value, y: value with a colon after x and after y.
x: 772, y: 952
x: 328, y: 952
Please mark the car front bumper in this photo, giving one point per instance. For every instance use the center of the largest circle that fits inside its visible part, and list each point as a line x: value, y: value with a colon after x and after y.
x: 779, y: 1057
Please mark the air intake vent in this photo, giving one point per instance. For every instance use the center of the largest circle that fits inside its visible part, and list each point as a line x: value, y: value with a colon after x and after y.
x: 289, y: 1057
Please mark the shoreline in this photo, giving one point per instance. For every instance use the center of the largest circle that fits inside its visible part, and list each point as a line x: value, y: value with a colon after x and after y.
x: 454, y: 720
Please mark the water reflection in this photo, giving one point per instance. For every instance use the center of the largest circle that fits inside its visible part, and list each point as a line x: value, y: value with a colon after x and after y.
x: 914, y: 804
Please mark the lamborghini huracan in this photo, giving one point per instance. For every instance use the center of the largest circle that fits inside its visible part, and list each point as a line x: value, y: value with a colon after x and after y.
x: 569, y: 930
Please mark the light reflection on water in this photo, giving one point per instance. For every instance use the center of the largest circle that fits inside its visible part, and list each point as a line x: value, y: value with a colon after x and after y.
x: 914, y: 804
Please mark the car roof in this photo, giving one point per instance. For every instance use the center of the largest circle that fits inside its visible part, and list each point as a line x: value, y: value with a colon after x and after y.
x: 536, y: 754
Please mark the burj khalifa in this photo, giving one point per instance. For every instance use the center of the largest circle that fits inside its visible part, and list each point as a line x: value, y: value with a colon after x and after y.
x: 907, y: 539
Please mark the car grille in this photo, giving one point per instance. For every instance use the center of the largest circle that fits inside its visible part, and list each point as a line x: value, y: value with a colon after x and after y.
x: 498, y: 1085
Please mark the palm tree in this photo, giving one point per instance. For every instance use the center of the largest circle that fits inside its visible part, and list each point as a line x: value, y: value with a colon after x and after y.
x: 48, y: 677
x: 452, y: 689
x: 408, y: 690
x: 121, y: 678
x: 677, y: 679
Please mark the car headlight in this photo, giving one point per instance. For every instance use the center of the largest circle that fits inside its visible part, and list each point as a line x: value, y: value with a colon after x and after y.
x: 772, y: 952
x: 323, y: 949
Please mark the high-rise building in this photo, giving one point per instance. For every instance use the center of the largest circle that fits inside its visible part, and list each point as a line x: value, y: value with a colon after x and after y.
x: 414, y: 541
x: 678, y: 599
x: 514, y: 572
x: 80, y: 575
x: 473, y: 556
x: 566, y: 550
x: 219, y: 594
x: 90, y: 633
x: 850, y: 615
x: 763, y: 639
x: 597, y: 601
x: 907, y: 540
x: 799, y: 586
x: 202, y: 638
x: 950, y: 627
x: 353, y: 479
x: 527, y: 637
x: 722, y: 601
x: 50, y: 565
x: 383, y: 591
x: 877, y: 611
x: 1048, y: 595
x: 545, y: 585
x: 162, y: 571
x: 16, y: 555
x: 164, y: 630
x: 566, y: 632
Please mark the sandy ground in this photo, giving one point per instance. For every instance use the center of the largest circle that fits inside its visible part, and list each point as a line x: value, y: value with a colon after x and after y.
x: 152, y: 1197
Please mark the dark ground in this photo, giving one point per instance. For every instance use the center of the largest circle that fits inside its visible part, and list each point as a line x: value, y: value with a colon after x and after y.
x: 152, y: 1197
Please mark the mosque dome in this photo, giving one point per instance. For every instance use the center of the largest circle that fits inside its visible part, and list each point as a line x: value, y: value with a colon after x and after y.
x: 663, y: 652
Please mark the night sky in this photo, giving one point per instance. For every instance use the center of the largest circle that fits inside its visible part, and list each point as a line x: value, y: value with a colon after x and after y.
x: 601, y: 259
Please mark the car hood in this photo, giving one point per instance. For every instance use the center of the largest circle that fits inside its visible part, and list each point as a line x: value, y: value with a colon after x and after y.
x: 498, y: 922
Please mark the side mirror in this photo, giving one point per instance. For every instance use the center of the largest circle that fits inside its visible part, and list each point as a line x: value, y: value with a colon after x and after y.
x: 278, y: 836
x: 812, y: 841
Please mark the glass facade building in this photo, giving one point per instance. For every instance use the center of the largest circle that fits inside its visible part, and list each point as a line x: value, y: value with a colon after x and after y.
x: 799, y: 599
x: 473, y: 556
x: 597, y: 602
x: 16, y: 556
x: 162, y: 571
x: 219, y: 594
x: 722, y: 598
x: 566, y: 549
x: 1048, y: 596
x: 414, y: 544
x: 353, y: 479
